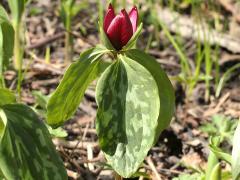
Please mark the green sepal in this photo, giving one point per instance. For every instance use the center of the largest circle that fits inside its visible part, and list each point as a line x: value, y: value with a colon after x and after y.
x: 26, y: 148
x: 104, y: 39
x: 165, y: 88
x: 128, y: 46
x: 67, y: 97
x: 133, y: 39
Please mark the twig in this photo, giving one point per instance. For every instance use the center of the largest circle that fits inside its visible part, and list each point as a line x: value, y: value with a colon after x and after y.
x: 45, y: 41
x: 72, y: 144
x: 72, y: 174
x: 153, y: 168
x: 217, y: 107
x: 43, y: 66
x: 90, y: 157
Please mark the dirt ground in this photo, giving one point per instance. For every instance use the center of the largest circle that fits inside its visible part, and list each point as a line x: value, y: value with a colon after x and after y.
x: 182, y: 145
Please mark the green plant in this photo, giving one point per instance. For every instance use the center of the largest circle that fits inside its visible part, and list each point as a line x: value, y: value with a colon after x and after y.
x: 69, y: 9
x: 134, y: 96
x: 225, y: 77
x: 17, y: 8
x: 26, y: 148
x: 195, y: 176
x: 217, y: 155
x: 221, y: 126
x: 6, y: 43
x: 189, y: 75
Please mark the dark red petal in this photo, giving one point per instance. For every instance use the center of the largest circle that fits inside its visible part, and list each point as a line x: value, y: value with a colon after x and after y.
x: 133, y: 15
x: 110, y: 15
x: 114, y: 32
x: 126, y: 28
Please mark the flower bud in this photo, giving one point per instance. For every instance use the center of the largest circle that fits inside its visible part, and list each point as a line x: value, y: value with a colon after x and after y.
x: 120, y: 28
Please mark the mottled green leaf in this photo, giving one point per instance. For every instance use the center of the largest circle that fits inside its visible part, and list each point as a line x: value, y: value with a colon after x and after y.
x: 6, y: 96
x: 127, y: 117
x: 6, y: 39
x: 26, y: 148
x: 236, y: 154
x: 165, y: 89
x: 66, y: 99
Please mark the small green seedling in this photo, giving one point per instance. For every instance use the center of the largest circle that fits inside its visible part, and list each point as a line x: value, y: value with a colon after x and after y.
x: 69, y: 9
x: 6, y: 43
x: 17, y: 8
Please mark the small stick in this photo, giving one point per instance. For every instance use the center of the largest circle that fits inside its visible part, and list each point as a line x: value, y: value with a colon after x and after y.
x: 90, y: 157
x: 46, y: 41
x: 72, y: 174
x: 150, y: 163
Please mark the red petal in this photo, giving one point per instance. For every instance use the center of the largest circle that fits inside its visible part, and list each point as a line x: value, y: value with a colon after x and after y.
x: 133, y: 15
x: 126, y: 28
x: 110, y: 15
x: 114, y: 32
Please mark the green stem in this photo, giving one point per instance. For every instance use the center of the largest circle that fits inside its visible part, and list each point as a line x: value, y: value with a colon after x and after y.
x: 208, y: 69
x: 17, y: 47
x: 217, y: 66
x: 68, y: 41
x: 19, y: 84
x: 2, y: 85
x: 124, y: 3
x: 114, y: 3
x: 17, y: 61
x: 100, y: 12
x: 2, y: 82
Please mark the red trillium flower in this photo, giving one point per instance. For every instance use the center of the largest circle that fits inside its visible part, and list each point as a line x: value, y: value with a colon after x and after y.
x: 120, y: 28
